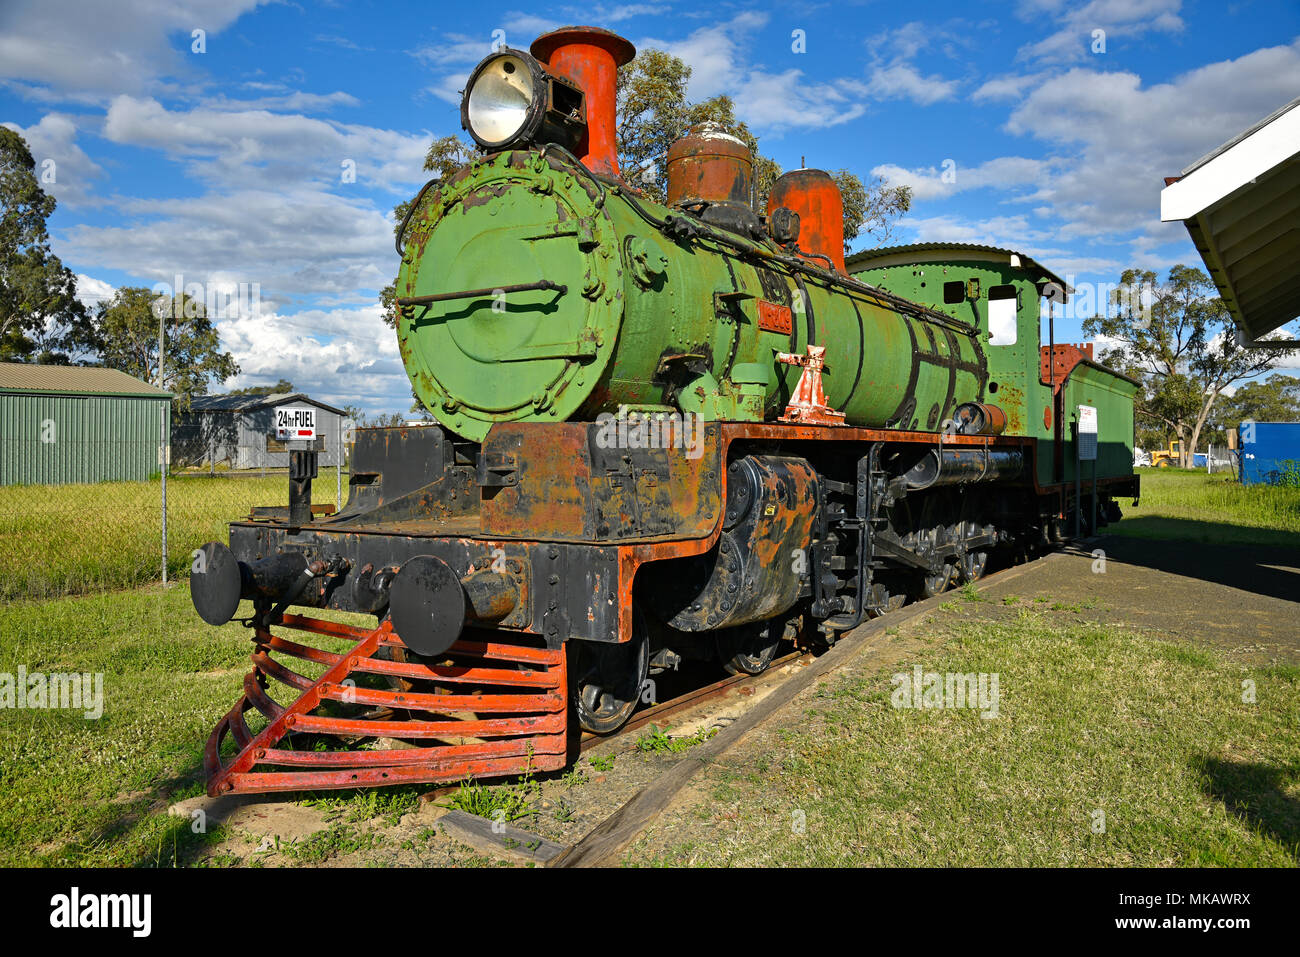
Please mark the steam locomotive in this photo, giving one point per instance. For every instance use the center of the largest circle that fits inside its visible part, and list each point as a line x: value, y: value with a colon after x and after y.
x: 673, y: 430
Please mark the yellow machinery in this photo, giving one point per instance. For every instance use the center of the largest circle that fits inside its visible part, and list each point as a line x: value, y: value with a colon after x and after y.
x: 1167, y: 458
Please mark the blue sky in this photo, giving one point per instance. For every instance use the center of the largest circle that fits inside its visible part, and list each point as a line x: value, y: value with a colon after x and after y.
x: 225, y: 166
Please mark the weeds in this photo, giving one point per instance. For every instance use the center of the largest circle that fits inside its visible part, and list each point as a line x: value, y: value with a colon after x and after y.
x: 506, y: 802
x: 657, y: 741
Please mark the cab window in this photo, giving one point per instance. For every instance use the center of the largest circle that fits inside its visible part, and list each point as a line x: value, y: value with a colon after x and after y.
x: 1002, y: 315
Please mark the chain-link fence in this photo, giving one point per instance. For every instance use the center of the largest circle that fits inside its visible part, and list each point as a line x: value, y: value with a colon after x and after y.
x: 1219, y: 459
x: 96, y: 521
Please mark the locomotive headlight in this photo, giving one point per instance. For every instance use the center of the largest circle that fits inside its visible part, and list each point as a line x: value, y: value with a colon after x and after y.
x: 498, y: 98
x: 511, y: 99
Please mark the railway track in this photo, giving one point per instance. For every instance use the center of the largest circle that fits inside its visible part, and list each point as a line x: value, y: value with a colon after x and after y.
x: 677, y: 705
x: 690, y: 699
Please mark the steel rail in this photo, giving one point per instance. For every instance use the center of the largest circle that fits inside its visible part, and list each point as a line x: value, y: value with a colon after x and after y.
x: 687, y: 699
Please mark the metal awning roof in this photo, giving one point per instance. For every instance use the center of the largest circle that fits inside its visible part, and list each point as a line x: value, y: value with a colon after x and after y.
x: 1241, y: 205
x: 73, y: 380
x: 249, y: 402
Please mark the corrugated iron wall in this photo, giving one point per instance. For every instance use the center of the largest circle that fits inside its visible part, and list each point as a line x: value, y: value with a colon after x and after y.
x: 63, y: 439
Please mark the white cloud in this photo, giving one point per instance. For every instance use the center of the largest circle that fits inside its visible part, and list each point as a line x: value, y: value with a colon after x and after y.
x: 91, y: 291
x: 457, y: 49
x: 771, y: 103
x: 91, y: 51
x: 1013, y: 232
x: 1009, y: 87
x: 778, y: 101
x: 294, y: 242
x: 892, y: 75
x: 285, y: 99
x: 1120, y: 138
x: 1073, y: 41
x: 714, y: 54
x: 63, y: 169
x: 257, y: 146
x: 1111, y: 140
x: 341, y: 356
x: 1005, y: 172
x: 902, y: 81
x: 615, y: 13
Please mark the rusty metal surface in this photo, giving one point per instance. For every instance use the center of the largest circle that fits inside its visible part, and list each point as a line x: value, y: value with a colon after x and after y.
x: 980, y: 418
x: 775, y: 317
x: 752, y: 575
x: 571, y: 482
x: 493, y: 709
x: 808, y: 402
x: 709, y: 165
x: 590, y: 57
x: 814, y: 197
x: 683, y: 702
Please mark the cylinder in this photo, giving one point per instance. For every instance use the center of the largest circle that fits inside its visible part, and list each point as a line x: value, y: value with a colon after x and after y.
x: 489, y: 595
x: 813, y: 195
x: 749, y: 576
x: 980, y: 418
x: 956, y: 466
x: 590, y: 57
x: 710, y: 165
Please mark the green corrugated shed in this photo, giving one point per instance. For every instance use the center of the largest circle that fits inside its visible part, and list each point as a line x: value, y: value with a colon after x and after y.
x: 66, y: 424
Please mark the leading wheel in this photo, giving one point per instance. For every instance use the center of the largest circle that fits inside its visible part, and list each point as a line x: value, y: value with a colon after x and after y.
x: 749, y: 649
x: 931, y: 585
x: 884, y: 600
x: 973, y: 565
x: 607, y: 678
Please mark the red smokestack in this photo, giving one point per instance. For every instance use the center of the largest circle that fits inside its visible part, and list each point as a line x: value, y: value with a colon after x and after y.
x: 590, y: 57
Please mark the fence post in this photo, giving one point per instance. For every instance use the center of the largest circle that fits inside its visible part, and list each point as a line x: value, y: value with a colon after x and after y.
x: 338, y: 466
x: 163, y: 458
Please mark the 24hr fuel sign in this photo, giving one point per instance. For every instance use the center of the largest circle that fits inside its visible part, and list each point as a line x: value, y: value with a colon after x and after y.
x: 295, y: 422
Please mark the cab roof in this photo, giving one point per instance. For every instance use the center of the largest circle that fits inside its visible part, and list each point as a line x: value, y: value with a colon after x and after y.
x: 887, y: 256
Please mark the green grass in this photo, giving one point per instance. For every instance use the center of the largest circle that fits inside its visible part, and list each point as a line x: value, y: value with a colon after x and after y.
x: 1194, y: 506
x: 658, y: 741
x: 74, y: 539
x: 83, y: 792
x: 1153, y: 734
x: 510, y: 802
